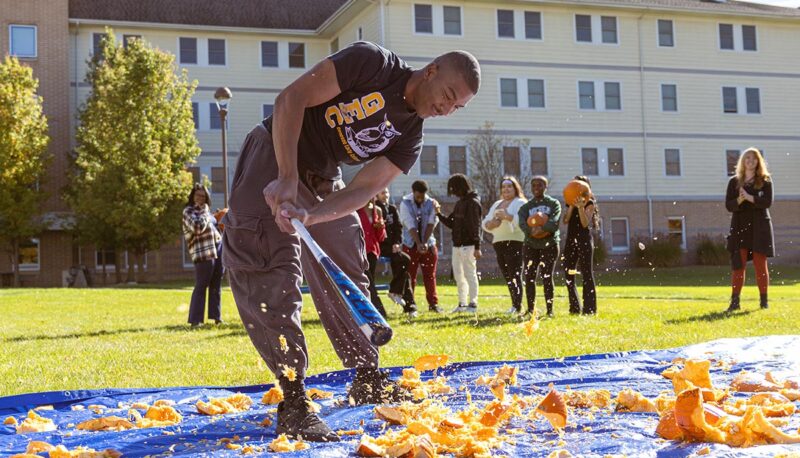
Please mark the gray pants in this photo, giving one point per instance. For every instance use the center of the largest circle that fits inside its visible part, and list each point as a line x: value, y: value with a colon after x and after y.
x: 265, y: 268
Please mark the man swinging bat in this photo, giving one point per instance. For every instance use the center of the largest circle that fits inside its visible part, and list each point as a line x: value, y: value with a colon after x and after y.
x: 360, y: 105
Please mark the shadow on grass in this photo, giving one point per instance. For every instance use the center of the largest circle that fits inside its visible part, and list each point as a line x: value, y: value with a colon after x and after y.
x: 709, y: 317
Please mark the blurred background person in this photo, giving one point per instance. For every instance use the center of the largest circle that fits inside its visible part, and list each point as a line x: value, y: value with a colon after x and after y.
x: 400, y: 286
x: 502, y: 221
x: 418, y: 217
x: 541, y: 241
x: 203, y: 240
x: 581, y: 217
x: 374, y: 233
x: 748, y: 198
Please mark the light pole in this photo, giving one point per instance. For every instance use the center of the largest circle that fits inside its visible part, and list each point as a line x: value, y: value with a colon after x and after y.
x: 223, y: 97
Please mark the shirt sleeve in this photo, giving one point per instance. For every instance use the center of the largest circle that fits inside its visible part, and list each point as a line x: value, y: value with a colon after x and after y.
x: 405, y: 153
x: 363, y: 66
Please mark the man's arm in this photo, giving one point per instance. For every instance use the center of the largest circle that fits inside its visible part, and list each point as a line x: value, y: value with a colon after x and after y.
x: 371, y: 179
x: 314, y: 87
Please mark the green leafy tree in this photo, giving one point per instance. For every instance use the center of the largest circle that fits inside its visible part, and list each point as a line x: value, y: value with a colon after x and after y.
x: 23, y: 157
x: 136, y: 135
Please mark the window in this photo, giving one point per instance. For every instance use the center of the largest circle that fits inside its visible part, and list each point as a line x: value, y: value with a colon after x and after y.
x: 616, y: 162
x: 458, y: 159
x: 609, y: 27
x: 731, y: 159
x: 753, y: 100
x: 676, y: 233
x: 195, y: 171
x: 217, y: 180
x: 613, y: 97
x: 266, y: 110
x: 511, y: 160
x: 97, y: 44
x: 423, y: 18
x: 583, y: 28
x: 360, y: 34
x: 586, y: 93
x: 187, y: 258
x: 214, y: 123
x: 672, y: 162
x: 536, y: 93
x: 429, y: 161
x: 196, y: 114
x: 666, y: 39
x: 619, y: 235
x: 188, y: 50
x: 729, y: 104
x: 297, y: 55
x: 126, y: 39
x: 508, y: 92
x: 538, y: 160
x: 505, y: 23
x: 110, y: 259
x: 726, y: 36
x: 452, y: 20
x: 334, y: 45
x: 22, y: 41
x: 669, y: 97
x: 216, y: 51
x: 589, y: 160
x: 749, y: 37
x: 533, y: 25
x: 28, y: 255
x: 269, y: 53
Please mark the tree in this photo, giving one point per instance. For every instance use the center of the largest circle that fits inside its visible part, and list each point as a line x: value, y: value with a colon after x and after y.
x: 129, y: 181
x: 23, y: 157
x: 487, y: 164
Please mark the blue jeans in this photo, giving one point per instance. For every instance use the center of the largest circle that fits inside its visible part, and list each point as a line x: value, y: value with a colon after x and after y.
x: 208, y: 276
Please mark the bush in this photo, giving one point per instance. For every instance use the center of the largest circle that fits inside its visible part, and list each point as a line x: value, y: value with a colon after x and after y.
x: 711, y: 250
x: 600, y: 254
x: 658, y: 252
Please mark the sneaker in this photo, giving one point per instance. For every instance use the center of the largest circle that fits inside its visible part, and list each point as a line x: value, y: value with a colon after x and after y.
x: 373, y: 386
x: 513, y: 311
x: 460, y: 308
x: 397, y: 299
x: 411, y: 314
x: 297, y: 421
x: 471, y: 308
x: 734, y: 304
x: 434, y: 309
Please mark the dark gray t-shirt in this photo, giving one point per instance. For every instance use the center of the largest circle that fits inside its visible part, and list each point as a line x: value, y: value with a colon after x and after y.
x: 368, y: 119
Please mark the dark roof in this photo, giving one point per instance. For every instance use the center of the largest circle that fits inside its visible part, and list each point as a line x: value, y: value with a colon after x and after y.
x: 724, y: 7
x: 268, y: 14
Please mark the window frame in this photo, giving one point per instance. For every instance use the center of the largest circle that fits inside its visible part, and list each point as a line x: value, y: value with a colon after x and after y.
x: 733, y: 36
x: 527, y: 84
x: 747, y: 100
x: 591, y: 29
x: 597, y: 160
x: 603, y: 31
x: 35, y: 28
x: 602, y: 158
x: 525, y: 25
x: 414, y: 15
x: 31, y: 267
x: 98, y: 268
x: 736, y: 100
x: 513, y: 24
x: 460, y: 21
x: 518, y: 159
x: 671, y: 34
x: 755, y: 37
x: 264, y: 109
x: 593, y: 96
x: 661, y: 94
x: 605, y: 95
x: 212, y: 108
x: 435, y: 161
x: 682, y: 219
x: 726, y: 150
x: 196, y: 52
x: 680, y: 162
x: 277, y: 54
x: 620, y: 249
x: 224, y: 51
x: 289, y: 55
x: 185, y: 255
x: 450, y: 159
x: 546, y: 149
x: 516, y: 91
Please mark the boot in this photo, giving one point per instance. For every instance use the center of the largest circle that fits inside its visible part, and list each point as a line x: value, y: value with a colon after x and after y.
x: 295, y: 418
x: 372, y: 386
x: 734, y: 303
x: 550, y: 310
x: 764, y: 303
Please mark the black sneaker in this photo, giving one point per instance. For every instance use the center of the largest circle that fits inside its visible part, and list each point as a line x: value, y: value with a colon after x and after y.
x: 297, y: 421
x: 734, y: 304
x: 764, y: 302
x: 434, y: 309
x: 373, y: 386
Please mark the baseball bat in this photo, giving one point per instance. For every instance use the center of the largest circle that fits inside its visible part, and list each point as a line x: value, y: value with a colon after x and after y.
x: 364, y: 313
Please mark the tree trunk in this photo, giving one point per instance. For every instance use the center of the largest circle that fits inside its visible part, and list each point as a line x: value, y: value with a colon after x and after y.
x: 141, y: 277
x: 15, y: 261
x: 117, y: 266
x: 103, y: 260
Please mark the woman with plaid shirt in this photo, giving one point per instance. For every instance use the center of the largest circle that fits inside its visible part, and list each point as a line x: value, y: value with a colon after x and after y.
x: 203, y: 240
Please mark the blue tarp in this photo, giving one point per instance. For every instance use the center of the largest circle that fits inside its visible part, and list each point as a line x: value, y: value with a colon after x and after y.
x: 631, y: 434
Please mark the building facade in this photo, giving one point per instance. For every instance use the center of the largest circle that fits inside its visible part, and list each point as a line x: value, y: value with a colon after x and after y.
x: 653, y: 99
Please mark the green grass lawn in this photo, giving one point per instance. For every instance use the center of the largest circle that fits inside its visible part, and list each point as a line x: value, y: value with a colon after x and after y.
x: 66, y: 339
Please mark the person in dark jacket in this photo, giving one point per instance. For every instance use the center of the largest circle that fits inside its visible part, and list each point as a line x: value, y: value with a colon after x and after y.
x: 580, y: 218
x: 465, y: 222
x: 400, y: 290
x: 748, y: 198
x: 541, y: 242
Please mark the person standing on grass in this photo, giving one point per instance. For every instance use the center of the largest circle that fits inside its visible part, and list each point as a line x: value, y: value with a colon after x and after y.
x: 465, y: 222
x: 541, y: 242
x: 502, y: 222
x: 748, y: 198
x: 374, y: 233
x: 418, y: 216
x: 580, y: 219
x: 362, y: 105
x: 203, y: 240
x: 400, y: 287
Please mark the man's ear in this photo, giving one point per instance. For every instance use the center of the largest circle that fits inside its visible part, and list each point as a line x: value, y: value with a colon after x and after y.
x: 431, y: 70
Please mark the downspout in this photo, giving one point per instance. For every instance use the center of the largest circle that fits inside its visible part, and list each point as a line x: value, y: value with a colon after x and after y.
x: 383, y: 25
x: 644, y: 132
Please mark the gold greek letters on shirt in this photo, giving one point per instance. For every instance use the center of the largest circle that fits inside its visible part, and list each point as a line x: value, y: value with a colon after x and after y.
x: 357, y: 109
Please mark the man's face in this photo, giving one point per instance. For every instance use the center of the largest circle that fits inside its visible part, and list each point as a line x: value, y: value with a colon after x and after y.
x: 419, y: 197
x: 383, y: 196
x: 441, y: 93
x: 538, y: 188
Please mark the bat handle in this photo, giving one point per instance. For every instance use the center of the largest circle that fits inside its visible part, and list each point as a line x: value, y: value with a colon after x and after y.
x: 306, y: 237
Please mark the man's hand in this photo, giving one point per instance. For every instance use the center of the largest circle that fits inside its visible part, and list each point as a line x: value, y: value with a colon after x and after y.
x: 437, y: 206
x: 422, y: 248
x: 536, y: 230
x: 396, y: 248
x: 279, y: 192
x: 478, y: 253
x: 288, y: 211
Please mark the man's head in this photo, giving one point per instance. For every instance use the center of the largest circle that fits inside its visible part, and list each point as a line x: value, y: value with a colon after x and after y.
x: 383, y: 196
x: 419, y: 188
x: 538, y: 186
x: 447, y: 84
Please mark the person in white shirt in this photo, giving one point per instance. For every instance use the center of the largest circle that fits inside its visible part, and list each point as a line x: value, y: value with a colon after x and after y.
x: 502, y: 221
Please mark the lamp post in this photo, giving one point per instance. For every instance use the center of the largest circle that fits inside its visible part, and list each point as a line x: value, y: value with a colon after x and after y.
x: 223, y: 97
